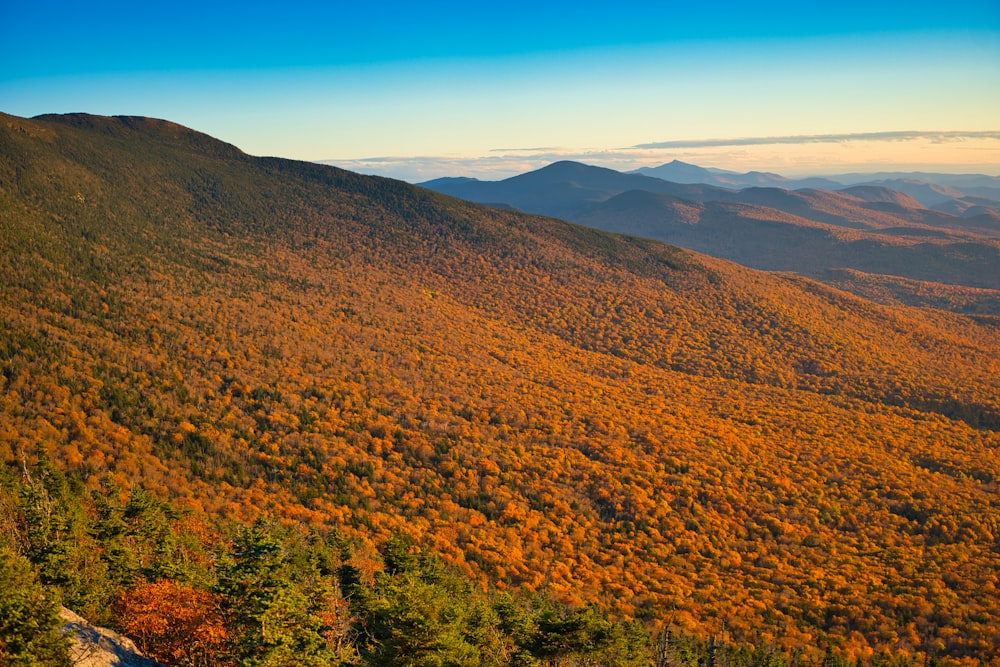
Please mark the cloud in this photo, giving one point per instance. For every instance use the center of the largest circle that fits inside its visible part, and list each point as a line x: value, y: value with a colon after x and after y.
x: 498, y: 164
x: 793, y: 155
x: 823, y: 139
x: 424, y: 168
x: 537, y: 149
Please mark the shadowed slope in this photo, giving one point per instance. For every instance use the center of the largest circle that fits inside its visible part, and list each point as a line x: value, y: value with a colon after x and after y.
x: 769, y: 238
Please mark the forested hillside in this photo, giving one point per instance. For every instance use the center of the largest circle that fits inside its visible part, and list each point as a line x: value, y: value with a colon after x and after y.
x: 930, y: 257
x: 547, y: 409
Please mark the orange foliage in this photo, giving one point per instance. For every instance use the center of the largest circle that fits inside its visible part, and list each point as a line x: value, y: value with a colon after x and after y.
x: 600, y: 418
x: 173, y: 623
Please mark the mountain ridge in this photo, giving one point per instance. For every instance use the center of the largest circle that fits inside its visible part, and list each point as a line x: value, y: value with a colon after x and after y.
x: 552, y: 408
x: 961, y: 184
x: 683, y: 172
x: 893, y: 232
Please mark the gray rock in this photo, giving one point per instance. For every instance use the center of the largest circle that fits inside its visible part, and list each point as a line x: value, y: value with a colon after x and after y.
x: 91, y: 646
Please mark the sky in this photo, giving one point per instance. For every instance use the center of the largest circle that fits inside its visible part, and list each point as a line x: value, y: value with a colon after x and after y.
x: 422, y: 90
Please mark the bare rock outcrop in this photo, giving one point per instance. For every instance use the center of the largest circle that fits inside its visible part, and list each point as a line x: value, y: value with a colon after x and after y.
x: 92, y: 646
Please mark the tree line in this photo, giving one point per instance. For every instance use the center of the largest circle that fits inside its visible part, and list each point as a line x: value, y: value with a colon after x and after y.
x: 192, y: 590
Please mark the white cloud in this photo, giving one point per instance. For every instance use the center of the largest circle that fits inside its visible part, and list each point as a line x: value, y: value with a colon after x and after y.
x: 793, y: 155
x: 824, y: 139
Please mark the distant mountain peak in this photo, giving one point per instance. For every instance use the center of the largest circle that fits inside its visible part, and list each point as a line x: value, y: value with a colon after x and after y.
x: 570, y: 165
x: 679, y: 172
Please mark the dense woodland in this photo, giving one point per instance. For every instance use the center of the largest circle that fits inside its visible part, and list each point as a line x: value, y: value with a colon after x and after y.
x: 388, y: 392
x: 193, y: 590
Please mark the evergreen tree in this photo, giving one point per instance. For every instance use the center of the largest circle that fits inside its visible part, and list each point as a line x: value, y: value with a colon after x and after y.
x: 272, y: 618
x: 418, y: 614
x: 53, y: 536
x: 29, y: 620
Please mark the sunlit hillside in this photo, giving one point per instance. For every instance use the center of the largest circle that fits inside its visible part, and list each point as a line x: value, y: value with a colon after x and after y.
x: 549, y: 408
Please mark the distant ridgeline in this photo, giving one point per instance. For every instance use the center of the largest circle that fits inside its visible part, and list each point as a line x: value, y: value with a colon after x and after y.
x: 919, y: 244
x: 262, y: 411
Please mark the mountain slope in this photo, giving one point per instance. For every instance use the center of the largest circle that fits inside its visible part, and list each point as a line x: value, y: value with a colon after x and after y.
x: 970, y: 184
x: 770, y: 238
x: 878, y: 194
x: 550, y: 407
x: 865, y: 228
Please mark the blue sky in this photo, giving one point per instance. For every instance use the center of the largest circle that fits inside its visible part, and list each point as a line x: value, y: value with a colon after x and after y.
x: 422, y: 90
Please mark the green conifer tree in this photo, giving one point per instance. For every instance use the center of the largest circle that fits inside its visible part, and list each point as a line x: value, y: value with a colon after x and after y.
x: 29, y: 620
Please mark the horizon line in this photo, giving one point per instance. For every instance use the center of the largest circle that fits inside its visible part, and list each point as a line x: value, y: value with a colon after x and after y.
x: 899, y: 135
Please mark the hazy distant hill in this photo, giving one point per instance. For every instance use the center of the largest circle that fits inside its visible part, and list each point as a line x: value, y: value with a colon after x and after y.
x: 551, y: 408
x: 929, y: 188
x: 957, y: 181
x: 570, y: 189
x: 682, y: 172
x: 770, y: 238
x: 927, y: 194
x: 770, y: 227
x: 880, y: 194
x: 564, y: 189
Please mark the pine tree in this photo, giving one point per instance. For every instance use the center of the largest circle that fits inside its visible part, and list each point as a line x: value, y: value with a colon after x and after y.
x: 29, y: 620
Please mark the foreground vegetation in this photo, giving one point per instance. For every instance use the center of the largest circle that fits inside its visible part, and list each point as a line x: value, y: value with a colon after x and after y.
x: 195, y: 591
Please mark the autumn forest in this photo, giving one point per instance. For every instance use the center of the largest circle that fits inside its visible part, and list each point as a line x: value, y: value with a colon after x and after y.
x: 238, y: 388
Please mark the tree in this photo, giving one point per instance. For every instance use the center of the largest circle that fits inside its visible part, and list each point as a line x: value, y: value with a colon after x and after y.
x: 53, y: 534
x: 418, y: 614
x: 274, y: 620
x: 173, y: 623
x: 29, y: 617
x: 585, y: 636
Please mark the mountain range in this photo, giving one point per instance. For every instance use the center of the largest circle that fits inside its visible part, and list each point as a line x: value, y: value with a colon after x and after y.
x: 683, y: 172
x: 552, y: 409
x: 896, y: 247
x: 929, y: 189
